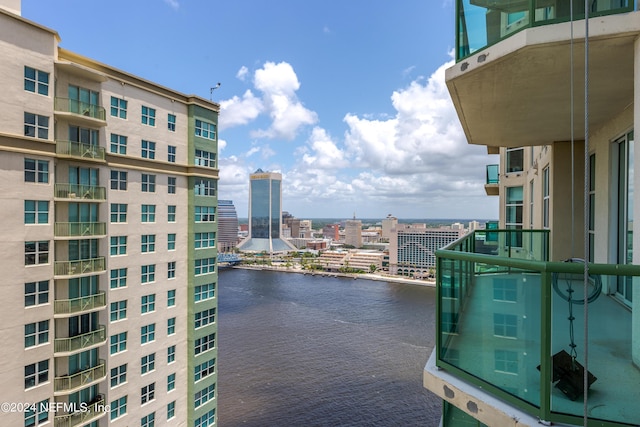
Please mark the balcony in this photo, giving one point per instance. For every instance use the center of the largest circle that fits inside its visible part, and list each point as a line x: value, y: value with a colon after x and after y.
x: 79, y: 111
x: 79, y: 150
x: 69, y: 345
x: 493, y: 180
x: 64, y: 269
x: 68, y: 384
x: 94, y: 410
x: 504, y: 327
x: 79, y: 192
x: 79, y: 229
x: 69, y: 307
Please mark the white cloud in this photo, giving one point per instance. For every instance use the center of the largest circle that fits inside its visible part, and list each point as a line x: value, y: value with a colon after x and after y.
x: 326, y: 154
x: 239, y: 111
x: 173, y: 3
x: 242, y: 73
x: 222, y: 144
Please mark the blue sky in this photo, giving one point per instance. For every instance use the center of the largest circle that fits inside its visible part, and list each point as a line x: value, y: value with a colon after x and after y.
x: 345, y: 98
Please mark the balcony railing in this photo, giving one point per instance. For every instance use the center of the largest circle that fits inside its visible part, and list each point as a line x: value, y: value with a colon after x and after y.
x: 80, y: 150
x: 80, y: 342
x: 510, y: 322
x: 83, y: 266
x: 493, y: 173
x: 79, y: 229
x: 84, y: 414
x: 69, y: 383
x: 79, y: 192
x: 74, y: 106
x: 78, y: 305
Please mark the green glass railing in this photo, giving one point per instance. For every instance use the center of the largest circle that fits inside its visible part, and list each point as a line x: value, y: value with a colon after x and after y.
x: 80, y: 150
x: 85, y: 413
x: 79, y: 342
x: 80, y: 192
x: 493, y: 174
x: 505, y: 324
x: 68, y: 383
x: 482, y: 23
x: 83, y: 266
x: 77, y: 305
x: 74, y: 106
x: 79, y: 229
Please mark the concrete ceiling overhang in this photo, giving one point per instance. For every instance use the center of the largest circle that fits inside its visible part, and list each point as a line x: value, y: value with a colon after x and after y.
x: 518, y: 92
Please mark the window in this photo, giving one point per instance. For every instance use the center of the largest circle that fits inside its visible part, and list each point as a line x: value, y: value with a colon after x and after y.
x: 148, y: 420
x: 118, y: 212
x: 148, y: 333
x: 171, y: 153
x: 515, y: 159
x: 118, y: 245
x: 205, y: 213
x: 205, y: 292
x: 506, y: 361
x: 171, y: 410
x: 203, y: 396
x: 171, y: 213
x: 148, y: 149
x: 36, y: 252
x: 205, y: 343
x: 171, y: 326
x: 171, y: 298
x: 171, y: 122
x: 204, y: 369
x: 148, y: 243
x: 171, y: 354
x: 148, y: 273
x: 204, y: 318
x: 148, y: 363
x: 118, y: 407
x: 505, y: 325
x: 205, y: 240
x: 118, y: 310
x: 36, y: 125
x: 205, y: 187
x: 205, y: 266
x: 147, y: 393
x: 36, y: 81
x: 119, y: 107
x: 36, y: 333
x: 514, y: 207
x: 545, y: 197
x: 36, y: 171
x: 148, y: 183
x: 118, y: 144
x: 171, y: 382
x: 205, y: 158
x: 36, y: 211
x: 171, y: 242
x: 36, y: 293
x: 148, y: 116
x: 118, y: 343
x: 171, y: 185
x: 148, y: 213
x: 205, y: 129
x: 36, y: 373
x: 118, y: 180
x: 148, y: 303
x: 37, y: 413
x: 118, y: 278
x: 171, y: 270
x: 118, y: 375
x: 206, y: 420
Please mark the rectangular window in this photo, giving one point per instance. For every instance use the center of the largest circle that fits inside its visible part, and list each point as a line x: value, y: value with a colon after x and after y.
x: 147, y: 393
x: 171, y: 354
x: 148, y: 273
x: 148, y: 183
x: 171, y: 382
x: 118, y: 375
x: 204, y: 318
x: 515, y: 159
x: 171, y: 326
x: 36, y: 373
x: 148, y: 243
x: 514, y: 207
x: 148, y: 334
x: 118, y: 310
x: 148, y: 303
x: 147, y: 363
x: 118, y: 245
x: 171, y: 185
x: 36, y: 293
x: 171, y: 242
x: 205, y: 343
x: 205, y: 240
x: 171, y: 410
x: 148, y: 149
x: 171, y: 122
x: 148, y: 213
x: 148, y: 116
x: 118, y: 180
x: 36, y: 171
x: 148, y: 420
x: 204, y: 369
x: 36, y: 333
x: 205, y: 129
x: 545, y: 197
x: 119, y: 107
x: 206, y: 420
x: 506, y: 361
x: 36, y: 126
x: 36, y: 81
x: 205, y: 158
x: 37, y: 413
x: 505, y: 290
x: 205, y: 187
x: 171, y: 153
x: 171, y: 297
x: 205, y: 266
x: 505, y: 325
x: 118, y: 212
x: 36, y: 252
x: 171, y: 270
x: 36, y: 211
x: 205, y: 292
x: 118, y: 278
x: 205, y: 214
x: 118, y: 343
x: 118, y: 144
x: 118, y: 408
x: 203, y: 396
x: 171, y: 213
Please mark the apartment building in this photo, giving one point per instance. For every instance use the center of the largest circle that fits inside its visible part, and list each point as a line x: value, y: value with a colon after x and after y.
x: 536, y: 321
x: 108, y: 191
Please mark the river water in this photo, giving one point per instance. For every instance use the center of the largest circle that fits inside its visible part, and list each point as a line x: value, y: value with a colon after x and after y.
x: 303, y: 350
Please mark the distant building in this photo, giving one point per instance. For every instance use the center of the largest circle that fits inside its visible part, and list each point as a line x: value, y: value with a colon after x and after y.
x: 331, y: 231
x: 227, y: 226
x: 387, y: 224
x: 473, y: 226
x: 353, y: 233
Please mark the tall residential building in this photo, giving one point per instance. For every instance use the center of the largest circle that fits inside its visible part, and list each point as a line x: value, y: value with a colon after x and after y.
x: 108, y: 198
x: 527, y: 333
x: 227, y: 226
x: 387, y: 225
x: 265, y: 214
x: 353, y: 233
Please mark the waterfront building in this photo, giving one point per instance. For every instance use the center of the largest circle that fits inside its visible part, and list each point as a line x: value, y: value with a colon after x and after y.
x: 265, y: 214
x: 227, y: 226
x: 512, y: 343
x: 387, y: 224
x: 353, y: 233
x: 108, y: 197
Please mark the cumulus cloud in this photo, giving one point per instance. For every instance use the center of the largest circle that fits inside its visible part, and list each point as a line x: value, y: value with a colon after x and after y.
x: 239, y: 111
x: 242, y: 73
x: 325, y: 152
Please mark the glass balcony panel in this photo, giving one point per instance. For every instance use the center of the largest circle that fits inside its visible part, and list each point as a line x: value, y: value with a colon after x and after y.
x: 80, y: 150
x: 80, y: 229
x: 81, y: 108
x: 84, y: 266
x: 80, y: 379
x: 493, y: 173
x: 76, y: 305
x: 79, y: 192
x: 79, y: 342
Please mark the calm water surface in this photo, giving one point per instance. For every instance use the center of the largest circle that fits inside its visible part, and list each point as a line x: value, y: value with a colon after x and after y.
x: 302, y: 350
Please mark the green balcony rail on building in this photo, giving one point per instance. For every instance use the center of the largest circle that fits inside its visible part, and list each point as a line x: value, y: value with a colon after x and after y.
x: 482, y: 23
x: 83, y: 266
x: 511, y: 322
x: 78, y: 192
x: 68, y: 383
x: 493, y: 174
x: 80, y: 150
x: 79, y: 342
x: 79, y: 229
x: 74, y: 106
x: 77, y: 305
x: 83, y: 415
